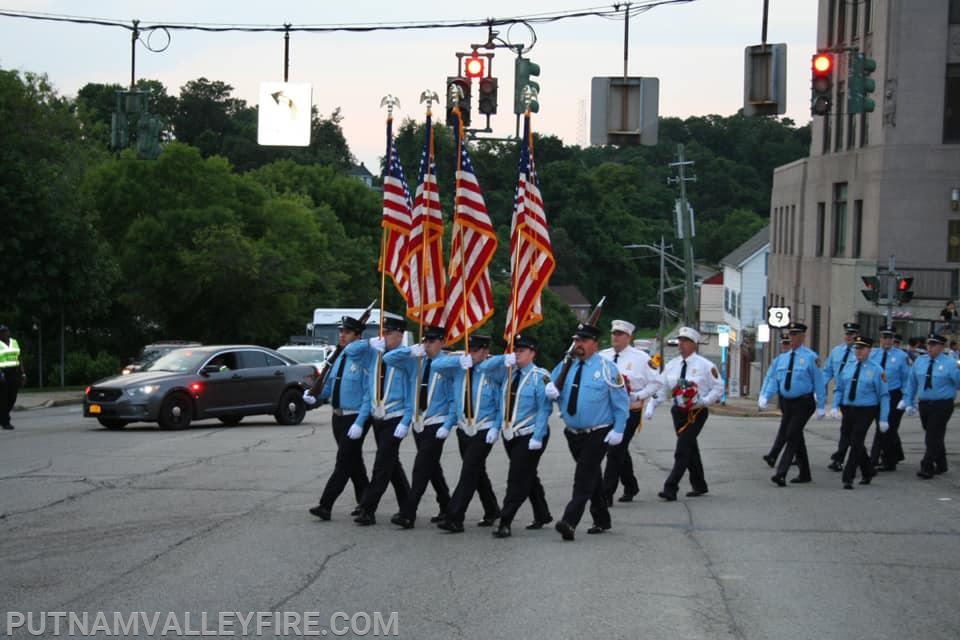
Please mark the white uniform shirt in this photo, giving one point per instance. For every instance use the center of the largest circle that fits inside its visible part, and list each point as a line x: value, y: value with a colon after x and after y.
x: 699, y: 370
x: 634, y: 366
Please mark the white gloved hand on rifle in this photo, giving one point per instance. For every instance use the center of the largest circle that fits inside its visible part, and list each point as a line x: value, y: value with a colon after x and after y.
x: 551, y: 391
x: 309, y: 399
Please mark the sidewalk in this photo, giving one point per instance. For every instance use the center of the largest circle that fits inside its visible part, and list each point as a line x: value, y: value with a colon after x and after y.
x: 52, y: 397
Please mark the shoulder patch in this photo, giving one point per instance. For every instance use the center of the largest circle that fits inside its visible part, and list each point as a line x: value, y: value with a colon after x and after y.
x: 883, y: 376
x: 715, y: 373
x: 620, y: 380
x: 546, y: 378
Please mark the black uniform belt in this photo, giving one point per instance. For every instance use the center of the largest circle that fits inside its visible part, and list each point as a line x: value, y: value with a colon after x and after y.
x: 808, y: 396
x: 583, y: 432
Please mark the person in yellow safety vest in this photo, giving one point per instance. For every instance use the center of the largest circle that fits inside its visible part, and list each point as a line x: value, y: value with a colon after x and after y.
x: 12, y: 375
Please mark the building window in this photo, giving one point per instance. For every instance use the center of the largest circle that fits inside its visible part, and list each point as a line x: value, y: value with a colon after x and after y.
x: 864, y: 133
x: 831, y: 21
x: 826, y: 134
x: 951, y: 108
x: 821, y: 226
x: 954, y: 11
x: 857, y: 228
x: 854, y: 20
x: 839, y: 109
x: 766, y: 263
x: 868, y: 16
x: 839, y: 219
x: 953, y: 241
x: 815, y: 328
x: 791, y: 224
x: 842, y: 22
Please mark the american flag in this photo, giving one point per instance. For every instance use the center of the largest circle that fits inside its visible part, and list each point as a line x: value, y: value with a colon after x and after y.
x: 425, y: 247
x: 469, y: 293
x: 397, y: 220
x: 531, y: 255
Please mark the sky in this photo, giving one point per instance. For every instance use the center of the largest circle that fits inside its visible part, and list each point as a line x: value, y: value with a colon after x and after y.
x: 696, y: 50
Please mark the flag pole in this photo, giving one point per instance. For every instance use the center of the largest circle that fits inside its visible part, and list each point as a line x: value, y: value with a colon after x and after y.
x: 467, y: 401
x: 390, y: 102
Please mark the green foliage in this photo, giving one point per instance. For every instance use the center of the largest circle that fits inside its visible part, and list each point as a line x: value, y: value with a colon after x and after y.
x: 79, y: 368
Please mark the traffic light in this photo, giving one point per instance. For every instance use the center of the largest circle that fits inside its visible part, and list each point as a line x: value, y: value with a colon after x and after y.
x: 821, y: 94
x: 904, y: 294
x: 473, y: 67
x: 523, y: 69
x: 458, y: 95
x: 487, y: 96
x: 872, y: 291
x: 148, y: 137
x: 860, y: 84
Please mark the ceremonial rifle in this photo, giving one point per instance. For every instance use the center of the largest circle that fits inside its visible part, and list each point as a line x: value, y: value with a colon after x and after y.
x: 324, y: 371
x: 568, y: 356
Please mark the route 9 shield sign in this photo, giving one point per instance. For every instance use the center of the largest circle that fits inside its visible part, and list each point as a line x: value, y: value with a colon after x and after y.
x: 778, y: 317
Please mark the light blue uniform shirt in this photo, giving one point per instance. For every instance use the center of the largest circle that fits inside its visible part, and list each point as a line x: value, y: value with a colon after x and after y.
x: 944, y: 380
x: 440, y: 401
x: 871, y: 387
x: 897, y: 366
x: 807, y: 377
x: 353, y: 382
x: 532, y: 407
x: 602, y: 398
x: 484, y: 391
x: 396, y: 398
x: 841, y: 357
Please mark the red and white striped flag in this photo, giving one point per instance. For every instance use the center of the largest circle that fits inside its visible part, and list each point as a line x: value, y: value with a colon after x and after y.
x: 531, y: 254
x: 397, y: 220
x: 425, y: 247
x: 469, y: 292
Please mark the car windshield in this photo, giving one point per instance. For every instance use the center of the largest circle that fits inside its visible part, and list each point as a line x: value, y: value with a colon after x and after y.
x: 305, y: 354
x: 179, y: 360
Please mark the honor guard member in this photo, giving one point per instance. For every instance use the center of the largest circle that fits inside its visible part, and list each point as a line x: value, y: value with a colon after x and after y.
x: 344, y: 388
x: 781, y: 437
x: 477, y: 409
x: 641, y: 380
x: 798, y: 380
x: 388, y: 406
x: 839, y: 357
x: 688, y: 418
x: 12, y: 375
x: 525, y: 411
x: 862, y: 396
x: 887, y: 450
x: 594, y: 407
x: 932, y: 387
x: 434, y: 416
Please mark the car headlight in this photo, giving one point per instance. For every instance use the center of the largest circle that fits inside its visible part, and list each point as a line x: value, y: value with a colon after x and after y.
x: 145, y: 390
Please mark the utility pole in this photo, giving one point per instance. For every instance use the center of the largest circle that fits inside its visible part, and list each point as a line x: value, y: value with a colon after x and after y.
x: 686, y: 232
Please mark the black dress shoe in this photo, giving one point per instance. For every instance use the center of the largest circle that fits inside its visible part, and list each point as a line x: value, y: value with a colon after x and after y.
x: 357, y: 511
x: 936, y: 472
x: 696, y: 492
x: 926, y: 475
x: 835, y: 466
x: 538, y: 524
x: 365, y: 519
x: 321, y: 512
x: 566, y: 531
x: 400, y: 521
x: 800, y: 480
x: 503, y: 531
x: 488, y: 521
x: 847, y: 485
x: 770, y: 460
x: 865, y: 480
x: 8, y: 427
x: 451, y: 526
x: 440, y: 517
x: 778, y: 480
x: 669, y: 497
x: 627, y: 497
x: 596, y: 528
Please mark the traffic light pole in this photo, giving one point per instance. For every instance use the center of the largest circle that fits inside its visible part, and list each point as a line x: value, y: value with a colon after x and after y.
x: 689, y: 305
x: 891, y: 288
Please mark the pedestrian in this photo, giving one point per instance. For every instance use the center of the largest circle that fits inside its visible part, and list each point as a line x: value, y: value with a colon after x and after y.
x: 641, y: 381
x: 12, y: 375
x: 594, y: 406
x: 524, y: 412
x: 433, y: 418
x: 931, y: 388
x: 477, y: 408
x: 781, y: 438
x: 836, y: 361
x: 862, y: 396
x: 798, y: 380
x: 690, y: 383
x: 887, y: 449
x: 948, y: 318
x: 388, y: 406
x: 346, y: 391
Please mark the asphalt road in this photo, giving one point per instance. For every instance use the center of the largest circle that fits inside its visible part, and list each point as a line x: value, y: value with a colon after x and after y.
x: 214, y: 519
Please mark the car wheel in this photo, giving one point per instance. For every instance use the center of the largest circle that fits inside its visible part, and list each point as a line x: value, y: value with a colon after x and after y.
x: 230, y: 420
x: 291, y: 409
x: 176, y: 412
x: 112, y: 423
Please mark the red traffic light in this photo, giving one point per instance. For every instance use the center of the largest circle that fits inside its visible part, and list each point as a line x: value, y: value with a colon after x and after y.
x: 474, y: 66
x: 822, y: 63
x: 904, y: 284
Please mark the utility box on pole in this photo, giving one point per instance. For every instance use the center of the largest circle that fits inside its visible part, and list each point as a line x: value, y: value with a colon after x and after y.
x: 624, y: 111
x: 765, y: 80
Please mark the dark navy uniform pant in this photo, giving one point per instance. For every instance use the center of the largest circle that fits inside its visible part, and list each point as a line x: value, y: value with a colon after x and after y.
x: 857, y: 421
x: 473, y: 478
x: 387, y: 468
x: 934, y: 415
x: 887, y: 447
x: 426, y: 470
x: 357, y: 468
x: 686, y: 456
x: 522, y: 480
x: 349, y: 464
x: 587, y: 449
x: 619, y: 464
x: 797, y: 412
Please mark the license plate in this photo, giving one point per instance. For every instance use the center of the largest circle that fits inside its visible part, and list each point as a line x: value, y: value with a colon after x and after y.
x: 95, y: 408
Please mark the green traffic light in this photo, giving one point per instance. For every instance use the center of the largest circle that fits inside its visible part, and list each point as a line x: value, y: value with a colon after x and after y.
x: 525, y: 90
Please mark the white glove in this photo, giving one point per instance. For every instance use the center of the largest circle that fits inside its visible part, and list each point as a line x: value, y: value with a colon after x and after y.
x: 510, y: 359
x: 417, y: 350
x: 401, y: 431
x: 901, y: 406
x: 355, y: 431
x: 492, y: 435
x: 835, y: 414
x: 309, y: 399
x: 442, y: 433
x: 648, y: 411
x: 911, y: 411
x: 535, y: 444
x: 378, y: 344
x: 884, y: 427
x: 821, y: 414
x: 466, y: 362
x: 551, y: 391
x: 762, y: 403
x: 613, y: 438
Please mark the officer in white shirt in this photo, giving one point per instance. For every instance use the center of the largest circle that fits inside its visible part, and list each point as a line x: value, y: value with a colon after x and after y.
x: 641, y: 380
x: 688, y: 409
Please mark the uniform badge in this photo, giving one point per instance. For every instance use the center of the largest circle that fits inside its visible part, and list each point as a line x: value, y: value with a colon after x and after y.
x: 802, y: 362
x: 546, y: 378
x: 620, y: 380
x: 596, y: 375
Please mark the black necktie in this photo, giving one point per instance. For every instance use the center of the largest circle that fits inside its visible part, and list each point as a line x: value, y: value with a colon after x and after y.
x: 683, y: 371
x: 335, y: 401
x: 424, y: 386
x: 381, y: 374
x: 513, y: 389
x: 468, y: 394
x: 846, y: 354
x: 572, y: 402
x: 928, y: 383
x: 616, y: 357
x: 853, y: 382
x: 883, y: 360
x: 789, y: 378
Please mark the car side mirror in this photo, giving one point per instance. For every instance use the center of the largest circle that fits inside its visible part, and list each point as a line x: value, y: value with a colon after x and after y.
x: 210, y: 368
